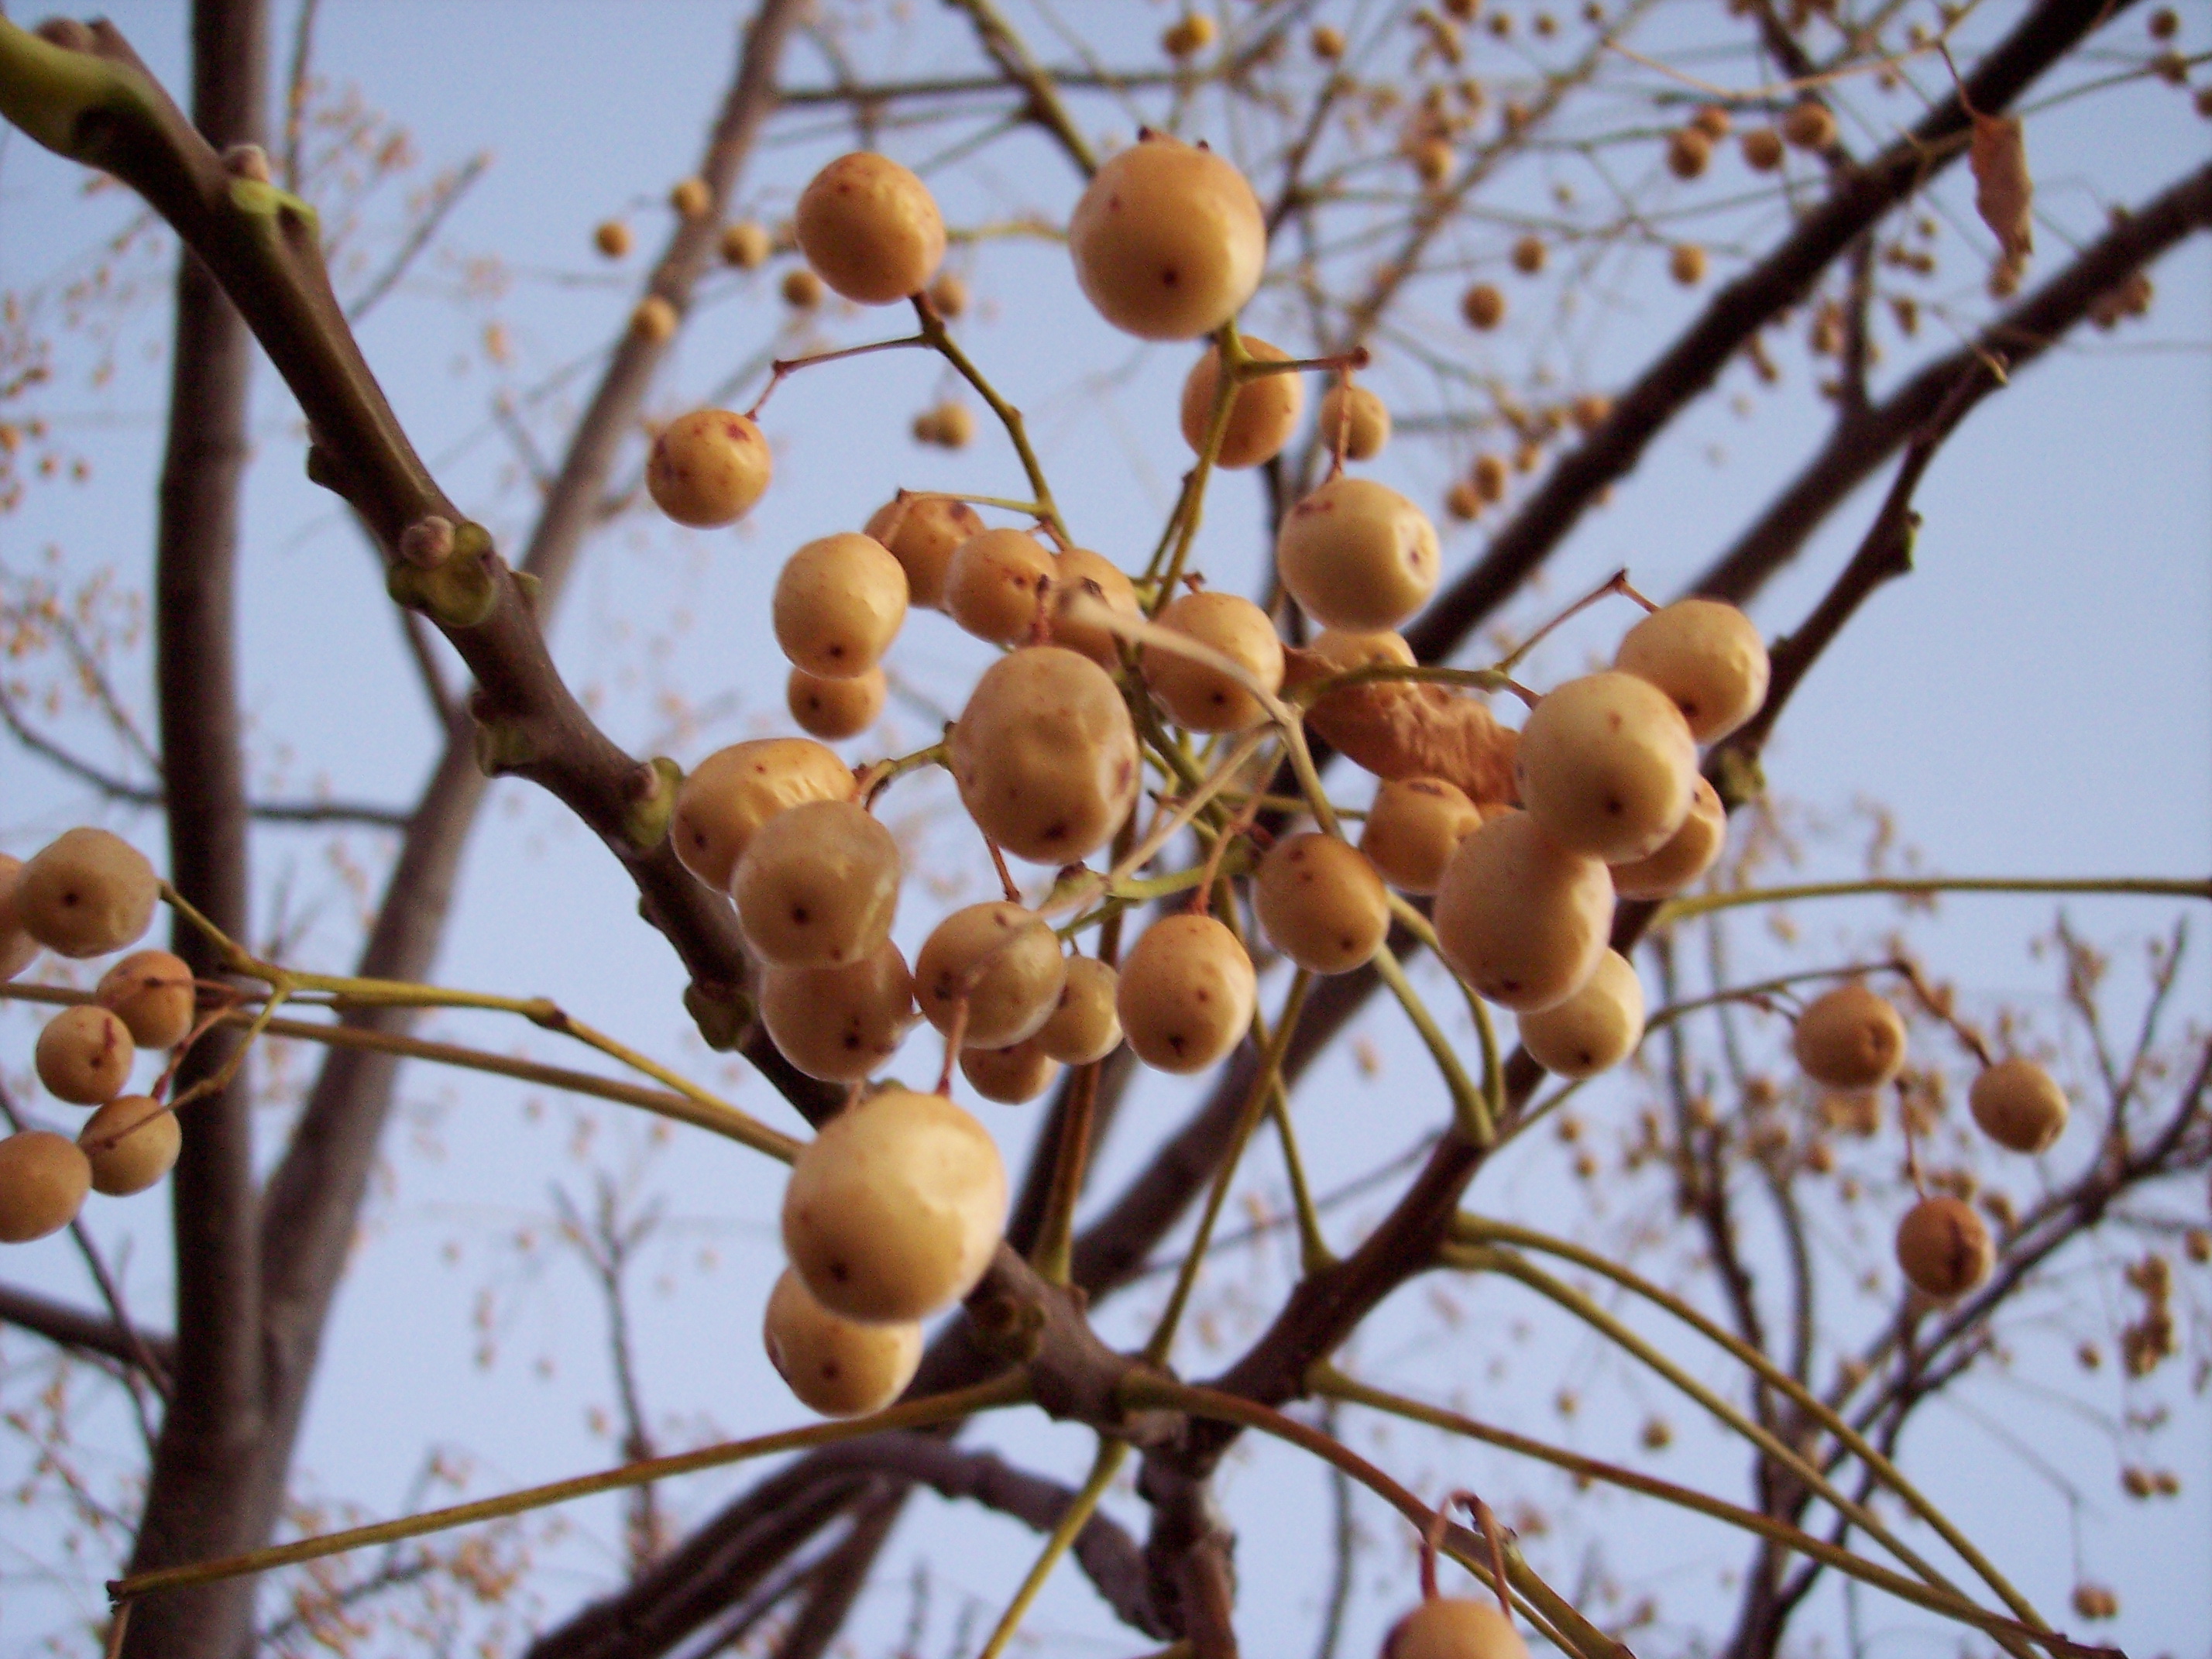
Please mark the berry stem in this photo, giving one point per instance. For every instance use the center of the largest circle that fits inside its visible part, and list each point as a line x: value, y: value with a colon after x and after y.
x: 783, y: 368
x: 1616, y: 583
x: 1699, y: 904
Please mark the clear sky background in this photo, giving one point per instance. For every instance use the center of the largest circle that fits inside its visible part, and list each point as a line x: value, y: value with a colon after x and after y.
x: 2035, y: 699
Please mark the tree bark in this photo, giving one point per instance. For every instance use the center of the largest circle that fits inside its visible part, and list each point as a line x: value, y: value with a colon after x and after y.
x: 214, y: 1425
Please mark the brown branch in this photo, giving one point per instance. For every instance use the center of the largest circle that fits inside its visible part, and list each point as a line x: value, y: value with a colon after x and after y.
x: 73, y: 1328
x: 2024, y: 334
x: 1859, y: 196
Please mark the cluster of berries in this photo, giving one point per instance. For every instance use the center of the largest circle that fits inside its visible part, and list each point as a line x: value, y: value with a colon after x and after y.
x: 89, y: 893
x: 1852, y: 1038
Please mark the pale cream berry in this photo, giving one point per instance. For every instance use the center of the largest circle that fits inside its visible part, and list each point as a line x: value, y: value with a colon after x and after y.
x: 1081, y: 578
x: 840, y: 1024
x: 2019, y: 1105
x: 1010, y: 1076
x: 1358, y: 418
x: 131, y: 1143
x: 996, y: 584
x: 1169, y: 240
x: 1320, y: 903
x: 708, y: 468
x: 830, y: 710
x: 43, y: 1180
x: 1707, y: 656
x: 1944, y: 1247
x: 1686, y: 855
x: 818, y: 886
x: 1606, y: 764
x: 1186, y: 994
x: 655, y: 319
x: 84, y: 1055
x: 17, y: 948
x: 839, y: 603
x: 1002, y: 961
x: 690, y: 197
x: 1356, y: 554
x: 1197, y: 695
x: 1849, y: 1038
x: 152, y: 993
x: 894, y: 1209
x: 1455, y: 1627
x: 1593, y: 1031
x: 1045, y: 756
x: 870, y: 229
x: 949, y: 293
x: 837, y: 1366
x: 1521, y: 918
x: 1085, y: 1026
x: 1414, y: 827
x: 735, y: 791
x: 1262, y: 416
x: 922, y: 533
x: 85, y: 893
x: 801, y: 288
x: 1483, y: 306
x: 746, y: 245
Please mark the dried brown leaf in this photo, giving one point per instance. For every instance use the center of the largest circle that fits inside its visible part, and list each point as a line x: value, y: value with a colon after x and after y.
x: 2003, y: 191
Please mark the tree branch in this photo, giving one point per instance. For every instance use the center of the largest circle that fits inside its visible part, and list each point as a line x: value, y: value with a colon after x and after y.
x: 74, y: 1327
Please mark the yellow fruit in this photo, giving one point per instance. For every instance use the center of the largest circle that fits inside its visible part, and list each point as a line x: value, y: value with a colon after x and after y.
x: 870, y: 229
x: 1483, y: 306
x: 839, y: 603
x: 949, y: 295
x: 2019, y: 1105
x: 1704, y: 654
x: 1045, y: 756
x: 1356, y: 554
x: 17, y: 947
x: 839, y: 1025
x: 1412, y: 829
x: 1320, y: 903
x: 1944, y: 1247
x: 1520, y: 918
x: 1688, y: 149
x: 1187, y: 35
x: 894, y: 1209
x: 1809, y: 126
x: 1079, y: 572
x: 922, y: 533
x: 151, y: 992
x: 1455, y: 1627
x: 611, y: 238
x: 85, y: 893
x: 1849, y: 1038
x: 1687, y: 263
x: 1085, y: 1026
x: 1168, y: 239
x: 746, y: 245
x: 1593, y: 1031
x: 84, y: 1055
x: 1356, y: 416
x: 1186, y: 993
x: 690, y: 197
x: 801, y: 288
x: 654, y: 320
x: 146, y: 1140
x: 735, y: 791
x: 995, y: 585
x: 43, y: 1180
x: 1528, y: 255
x: 830, y: 710
x: 1010, y: 1076
x: 1197, y: 695
x: 818, y: 886
x: 1687, y: 854
x: 1326, y: 43
x: 1712, y: 121
x: 1262, y: 416
x: 1006, y: 964
x: 1607, y: 765
x: 836, y: 1366
x: 708, y: 468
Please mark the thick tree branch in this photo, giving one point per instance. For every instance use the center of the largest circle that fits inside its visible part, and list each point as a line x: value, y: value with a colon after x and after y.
x: 74, y: 1327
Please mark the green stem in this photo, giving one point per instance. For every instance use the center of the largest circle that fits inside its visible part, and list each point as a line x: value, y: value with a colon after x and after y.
x: 1477, y: 1230
x: 1333, y: 1384
x: 1486, y: 1034
x: 1490, y: 1258
x: 1010, y: 1389
x: 1682, y: 910
x: 1471, y: 1112
x: 1072, y: 1522
x: 940, y: 339
x: 1273, y: 1048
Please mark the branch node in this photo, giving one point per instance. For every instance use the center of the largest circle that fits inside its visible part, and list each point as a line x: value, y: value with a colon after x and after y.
x: 723, y: 1013
x: 649, y: 794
